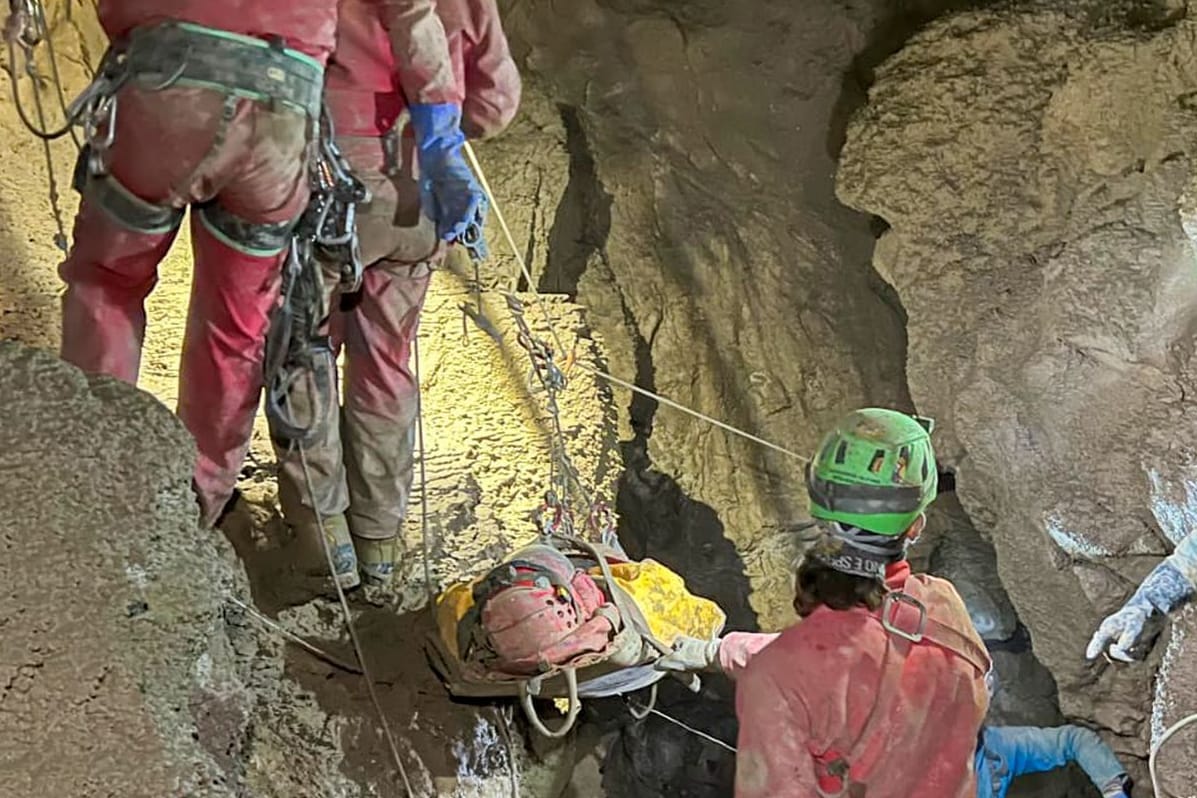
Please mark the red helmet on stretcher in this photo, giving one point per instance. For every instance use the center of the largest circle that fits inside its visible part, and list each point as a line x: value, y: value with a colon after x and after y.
x: 536, y: 611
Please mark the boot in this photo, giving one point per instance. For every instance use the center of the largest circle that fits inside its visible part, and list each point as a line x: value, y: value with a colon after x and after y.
x: 340, y: 544
x: 376, y: 558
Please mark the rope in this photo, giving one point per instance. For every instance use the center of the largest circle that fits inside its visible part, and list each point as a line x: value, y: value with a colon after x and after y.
x: 427, y: 549
x: 1172, y: 730
x: 691, y: 729
x: 294, y: 638
x: 39, y: 22
x: 603, y: 375
x: 357, y: 643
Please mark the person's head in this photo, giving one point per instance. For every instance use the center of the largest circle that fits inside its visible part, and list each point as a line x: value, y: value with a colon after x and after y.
x: 870, y: 482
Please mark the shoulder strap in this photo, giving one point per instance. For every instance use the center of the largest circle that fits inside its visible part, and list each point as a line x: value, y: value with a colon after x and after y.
x: 915, y: 593
x: 926, y: 629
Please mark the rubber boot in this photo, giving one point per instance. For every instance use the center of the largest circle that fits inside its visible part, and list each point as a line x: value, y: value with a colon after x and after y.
x: 340, y: 544
x: 376, y: 559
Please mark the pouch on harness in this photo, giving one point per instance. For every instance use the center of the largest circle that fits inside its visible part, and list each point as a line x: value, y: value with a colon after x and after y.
x: 545, y: 624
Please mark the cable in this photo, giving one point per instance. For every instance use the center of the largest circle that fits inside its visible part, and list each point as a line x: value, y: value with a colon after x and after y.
x: 415, y: 347
x: 494, y: 205
x: 1173, y: 729
x: 357, y: 644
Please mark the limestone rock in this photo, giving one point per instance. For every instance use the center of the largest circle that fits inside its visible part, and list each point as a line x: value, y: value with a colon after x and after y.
x: 1031, y: 163
x: 116, y: 660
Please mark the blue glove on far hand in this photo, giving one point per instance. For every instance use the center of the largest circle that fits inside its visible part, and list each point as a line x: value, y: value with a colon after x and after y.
x: 454, y: 198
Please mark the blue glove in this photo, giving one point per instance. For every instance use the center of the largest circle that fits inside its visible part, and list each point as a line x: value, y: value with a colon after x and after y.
x: 453, y: 197
x: 1162, y: 590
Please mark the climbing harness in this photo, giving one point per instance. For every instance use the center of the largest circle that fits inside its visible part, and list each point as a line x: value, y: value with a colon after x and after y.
x: 324, y: 238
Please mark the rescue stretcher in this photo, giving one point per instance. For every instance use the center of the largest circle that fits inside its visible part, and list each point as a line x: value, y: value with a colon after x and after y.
x: 654, y: 609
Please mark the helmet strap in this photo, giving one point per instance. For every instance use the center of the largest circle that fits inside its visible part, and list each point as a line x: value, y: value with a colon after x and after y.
x: 857, y: 552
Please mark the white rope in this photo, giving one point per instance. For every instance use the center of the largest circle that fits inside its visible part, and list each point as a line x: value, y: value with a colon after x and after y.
x: 1172, y: 730
x: 294, y: 638
x: 357, y: 644
x: 494, y: 205
x: 424, y: 545
x: 692, y: 730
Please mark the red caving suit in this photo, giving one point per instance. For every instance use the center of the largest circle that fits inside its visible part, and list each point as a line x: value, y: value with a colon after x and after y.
x: 363, y: 464
x: 904, y: 717
x: 241, y: 163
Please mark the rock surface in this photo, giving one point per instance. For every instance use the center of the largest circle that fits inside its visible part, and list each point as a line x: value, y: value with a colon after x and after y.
x: 672, y: 170
x: 116, y: 659
x: 1034, y: 165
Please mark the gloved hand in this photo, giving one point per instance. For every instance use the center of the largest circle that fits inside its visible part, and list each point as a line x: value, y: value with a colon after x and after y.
x: 1162, y: 590
x: 454, y: 198
x: 1123, y: 629
x: 691, y: 654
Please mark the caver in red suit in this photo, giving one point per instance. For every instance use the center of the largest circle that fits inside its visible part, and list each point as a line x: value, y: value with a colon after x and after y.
x: 217, y: 112
x: 361, y: 463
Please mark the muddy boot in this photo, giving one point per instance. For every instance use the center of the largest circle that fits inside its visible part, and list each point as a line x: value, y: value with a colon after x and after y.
x: 340, y: 544
x: 376, y: 559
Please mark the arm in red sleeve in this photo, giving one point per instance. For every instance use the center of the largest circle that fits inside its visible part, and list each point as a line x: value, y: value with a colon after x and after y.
x: 736, y: 649
x: 421, y: 51
x: 773, y: 759
x: 492, y: 81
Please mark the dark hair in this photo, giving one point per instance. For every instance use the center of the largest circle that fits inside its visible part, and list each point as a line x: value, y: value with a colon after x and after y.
x: 819, y: 585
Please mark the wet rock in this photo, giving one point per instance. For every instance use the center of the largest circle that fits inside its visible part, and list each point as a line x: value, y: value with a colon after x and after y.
x: 1032, y: 165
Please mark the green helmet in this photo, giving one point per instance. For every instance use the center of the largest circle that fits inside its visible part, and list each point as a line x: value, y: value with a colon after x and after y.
x: 875, y: 471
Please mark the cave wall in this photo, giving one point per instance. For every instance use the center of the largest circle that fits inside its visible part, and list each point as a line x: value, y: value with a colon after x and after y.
x: 700, y: 230
x: 1034, y: 165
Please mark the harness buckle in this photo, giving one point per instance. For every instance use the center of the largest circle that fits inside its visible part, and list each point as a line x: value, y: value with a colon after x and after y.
x: 889, y: 607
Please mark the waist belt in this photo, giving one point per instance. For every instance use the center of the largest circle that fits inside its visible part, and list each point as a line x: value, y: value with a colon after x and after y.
x: 183, y: 54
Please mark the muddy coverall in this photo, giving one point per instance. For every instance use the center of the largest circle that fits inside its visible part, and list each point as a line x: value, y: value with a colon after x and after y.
x: 362, y: 467
x: 218, y: 114
x: 839, y: 705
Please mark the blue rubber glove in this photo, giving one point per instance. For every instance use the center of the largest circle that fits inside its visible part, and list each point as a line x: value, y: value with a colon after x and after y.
x: 452, y: 194
x: 1162, y: 590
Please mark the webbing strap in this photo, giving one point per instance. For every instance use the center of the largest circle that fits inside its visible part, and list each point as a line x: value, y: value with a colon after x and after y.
x: 943, y: 635
x: 124, y: 207
x: 183, y: 54
x: 838, y: 764
x: 259, y: 239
